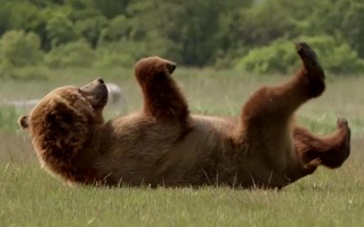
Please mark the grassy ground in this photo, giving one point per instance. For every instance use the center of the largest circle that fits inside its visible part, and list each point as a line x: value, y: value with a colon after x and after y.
x: 30, y: 197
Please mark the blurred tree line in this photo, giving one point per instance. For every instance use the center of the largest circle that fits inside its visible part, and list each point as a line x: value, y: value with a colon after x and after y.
x: 250, y: 35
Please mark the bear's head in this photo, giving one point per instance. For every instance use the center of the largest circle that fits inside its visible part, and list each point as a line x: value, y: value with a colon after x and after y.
x: 62, y: 121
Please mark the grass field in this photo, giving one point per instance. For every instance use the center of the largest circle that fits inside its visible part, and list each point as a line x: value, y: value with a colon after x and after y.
x: 31, y: 197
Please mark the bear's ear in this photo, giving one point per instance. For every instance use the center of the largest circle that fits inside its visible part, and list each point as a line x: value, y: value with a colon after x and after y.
x: 171, y: 66
x: 23, y: 121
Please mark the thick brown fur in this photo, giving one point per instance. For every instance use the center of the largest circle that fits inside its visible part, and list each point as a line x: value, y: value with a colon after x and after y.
x: 163, y: 100
x: 165, y: 145
x: 162, y: 96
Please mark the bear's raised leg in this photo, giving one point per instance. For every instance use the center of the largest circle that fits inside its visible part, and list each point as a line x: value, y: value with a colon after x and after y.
x: 266, y: 126
x: 277, y: 103
x: 266, y: 116
x: 331, y: 150
x: 312, y: 151
x: 163, y: 99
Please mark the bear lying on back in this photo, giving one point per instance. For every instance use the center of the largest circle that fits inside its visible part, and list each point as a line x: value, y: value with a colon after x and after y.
x: 165, y: 145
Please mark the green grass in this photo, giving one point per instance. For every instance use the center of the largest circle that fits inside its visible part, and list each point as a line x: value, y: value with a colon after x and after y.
x: 31, y: 197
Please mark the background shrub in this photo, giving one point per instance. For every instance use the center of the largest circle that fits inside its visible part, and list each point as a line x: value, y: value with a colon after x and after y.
x: 19, y: 49
x: 75, y: 54
x: 280, y: 57
x: 202, y: 33
x: 21, y: 57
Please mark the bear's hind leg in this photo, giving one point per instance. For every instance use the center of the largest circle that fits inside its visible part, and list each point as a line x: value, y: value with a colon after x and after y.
x: 312, y: 151
x: 265, y: 123
x: 279, y: 102
x: 333, y: 150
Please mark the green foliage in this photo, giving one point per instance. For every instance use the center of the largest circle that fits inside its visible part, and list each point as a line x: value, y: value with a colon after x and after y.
x: 60, y: 29
x: 21, y: 56
x: 276, y: 58
x: 115, y: 54
x: 280, y: 57
x: 91, y: 28
x: 24, y: 16
x: 117, y: 28
x: 111, y: 8
x: 19, y: 49
x: 352, y: 26
x: 199, y: 33
x: 125, y: 52
x: 75, y: 54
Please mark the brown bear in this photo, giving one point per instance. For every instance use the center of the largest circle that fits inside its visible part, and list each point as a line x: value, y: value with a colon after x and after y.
x: 165, y: 145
